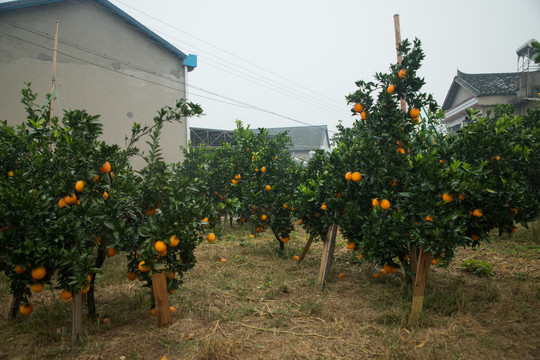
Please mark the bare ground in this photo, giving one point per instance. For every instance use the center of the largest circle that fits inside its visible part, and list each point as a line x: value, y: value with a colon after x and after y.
x: 263, y: 305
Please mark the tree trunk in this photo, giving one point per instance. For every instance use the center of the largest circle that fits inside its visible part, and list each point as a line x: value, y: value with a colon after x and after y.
x: 14, y: 308
x: 90, y: 298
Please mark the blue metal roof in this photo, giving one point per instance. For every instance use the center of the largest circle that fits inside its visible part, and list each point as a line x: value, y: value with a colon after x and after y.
x: 192, y: 61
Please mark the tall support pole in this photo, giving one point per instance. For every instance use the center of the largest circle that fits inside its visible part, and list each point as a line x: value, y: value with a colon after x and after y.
x: 53, y: 86
x: 397, y: 30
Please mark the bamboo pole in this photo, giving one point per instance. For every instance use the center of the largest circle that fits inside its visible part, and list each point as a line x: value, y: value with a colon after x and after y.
x: 53, y: 86
x: 397, y: 30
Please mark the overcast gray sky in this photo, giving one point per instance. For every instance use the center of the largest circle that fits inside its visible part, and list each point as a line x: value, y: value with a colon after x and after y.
x: 312, y: 51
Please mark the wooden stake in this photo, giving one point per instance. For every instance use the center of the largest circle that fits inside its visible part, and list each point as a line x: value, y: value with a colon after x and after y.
x: 420, y: 280
x: 53, y: 86
x: 306, y: 248
x: 161, y: 299
x: 328, y: 253
x: 76, y: 320
x: 397, y: 30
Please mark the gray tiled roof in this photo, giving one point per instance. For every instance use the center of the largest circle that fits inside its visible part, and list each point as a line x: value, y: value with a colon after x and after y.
x: 488, y: 84
x: 482, y: 85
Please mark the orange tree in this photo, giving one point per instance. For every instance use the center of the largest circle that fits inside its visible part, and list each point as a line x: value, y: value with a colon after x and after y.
x: 271, y: 185
x: 53, y: 198
x: 168, y: 208
x: 418, y: 189
x: 316, y: 200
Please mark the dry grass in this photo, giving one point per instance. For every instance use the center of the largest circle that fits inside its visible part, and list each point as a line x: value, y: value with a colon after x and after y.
x: 263, y: 305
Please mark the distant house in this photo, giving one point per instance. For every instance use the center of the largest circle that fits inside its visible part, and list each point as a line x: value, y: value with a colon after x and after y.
x: 485, y: 91
x: 305, y: 139
x: 108, y: 63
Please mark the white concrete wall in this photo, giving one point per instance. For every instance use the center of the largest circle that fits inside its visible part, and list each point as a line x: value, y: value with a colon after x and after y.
x: 102, y: 83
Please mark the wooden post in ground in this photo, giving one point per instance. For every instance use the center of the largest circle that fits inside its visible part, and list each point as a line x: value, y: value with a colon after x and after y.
x: 328, y: 253
x: 420, y: 280
x: 397, y: 30
x: 76, y: 318
x: 306, y: 248
x: 161, y: 299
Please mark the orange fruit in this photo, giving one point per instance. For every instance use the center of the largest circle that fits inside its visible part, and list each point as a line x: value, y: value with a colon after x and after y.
x: 475, y: 237
x: 447, y: 197
x: 26, y: 309
x: 174, y: 241
x: 105, y: 195
x: 285, y: 239
x: 259, y: 229
x: 356, y: 176
x: 153, y: 311
x: 300, y: 222
x: 402, y: 73
x: 514, y: 211
x: 387, y: 268
x: 234, y: 181
x: 79, y: 186
x: 435, y: 261
x: 416, y: 121
x: 223, y: 260
x: 461, y: 197
x: 375, y: 202
x: 385, y: 204
x: 70, y: 199
x: 341, y: 275
x: 111, y: 252
x: 150, y: 211
x: 105, y: 168
x: 324, y: 206
x: 348, y: 176
x: 19, y: 269
x: 160, y: 246
x: 61, y: 203
x: 360, y: 256
x: 400, y: 151
x: 514, y: 229
x: 172, y: 309
x: 264, y: 217
x: 37, y: 287
x: 394, y: 183
x: 142, y: 268
x: 376, y: 275
x: 211, y: 237
x: 66, y: 294
x: 358, y: 107
x: 295, y: 258
x: 10, y: 173
x: 131, y: 275
x: 285, y: 206
x: 384, y: 272
x: 106, y: 321
x: 251, y: 236
x: 263, y: 169
x: 96, y: 178
x: 390, y: 89
x: 429, y: 218
x: 477, y: 213
x: 39, y: 272
x: 170, y: 275
x: 363, y: 115
x: 414, y: 113
x: 267, y: 188
x: 351, y: 245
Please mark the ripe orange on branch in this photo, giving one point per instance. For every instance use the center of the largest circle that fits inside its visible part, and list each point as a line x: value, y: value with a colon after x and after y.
x: 39, y: 272
x: 160, y: 246
x: 390, y: 89
x: 402, y: 73
x: 385, y: 204
x: 105, y: 168
x: 358, y: 107
x: 356, y: 176
x: 79, y: 186
x: 414, y: 112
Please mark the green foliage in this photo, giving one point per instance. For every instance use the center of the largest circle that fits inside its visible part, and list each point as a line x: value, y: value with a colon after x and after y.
x: 481, y: 268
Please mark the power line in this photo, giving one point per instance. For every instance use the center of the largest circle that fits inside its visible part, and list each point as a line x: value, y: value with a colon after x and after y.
x: 227, y: 52
x: 235, y: 102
